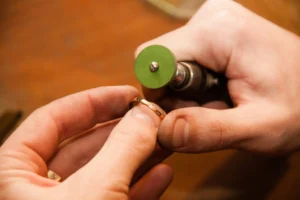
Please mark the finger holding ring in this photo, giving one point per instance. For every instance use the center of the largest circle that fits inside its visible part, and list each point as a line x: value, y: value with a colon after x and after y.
x: 152, y: 106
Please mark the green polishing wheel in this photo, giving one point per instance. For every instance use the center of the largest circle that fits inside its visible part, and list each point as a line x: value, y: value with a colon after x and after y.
x: 155, y: 66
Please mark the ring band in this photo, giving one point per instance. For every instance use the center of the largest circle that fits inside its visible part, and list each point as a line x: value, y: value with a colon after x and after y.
x: 155, y: 108
x: 53, y: 176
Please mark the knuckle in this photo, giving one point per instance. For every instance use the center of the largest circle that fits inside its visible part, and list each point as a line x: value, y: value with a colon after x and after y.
x: 118, y: 191
x: 207, y: 136
x: 224, y: 13
x: 218, y: 4
x: 37, y: 112
x: 45, y: 116
x: 236, y: 30
x: 234, y: 23
x: 240, y: 29
x: 219, y: 8
x: 40, y: 114
x: 220, y: 134
x: 130, y: 88
x: 44, y: 111
x: 217, y: 129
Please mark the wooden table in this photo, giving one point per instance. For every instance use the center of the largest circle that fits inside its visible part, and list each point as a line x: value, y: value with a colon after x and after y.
x: 49, y: 49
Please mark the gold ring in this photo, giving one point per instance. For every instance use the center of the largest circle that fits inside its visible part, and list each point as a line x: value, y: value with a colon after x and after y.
x: 152, y: 106
x: 53, y: 176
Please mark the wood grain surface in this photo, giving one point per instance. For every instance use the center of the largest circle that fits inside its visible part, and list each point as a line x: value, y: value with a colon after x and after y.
x: 49, y: 49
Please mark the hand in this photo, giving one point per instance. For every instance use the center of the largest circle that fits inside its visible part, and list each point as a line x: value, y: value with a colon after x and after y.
x: 90, y: 167
x: 262, y: 63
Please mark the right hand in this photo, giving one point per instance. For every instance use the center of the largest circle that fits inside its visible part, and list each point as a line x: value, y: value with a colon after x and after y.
x: 262, y: 64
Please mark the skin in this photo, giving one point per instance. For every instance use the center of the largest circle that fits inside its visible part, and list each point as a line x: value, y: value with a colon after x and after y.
x: 82, y: 138
x: 262, y: 64
x: 118, y: 159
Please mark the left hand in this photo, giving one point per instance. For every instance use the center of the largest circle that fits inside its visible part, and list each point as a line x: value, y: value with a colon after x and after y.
x: 91, y: 167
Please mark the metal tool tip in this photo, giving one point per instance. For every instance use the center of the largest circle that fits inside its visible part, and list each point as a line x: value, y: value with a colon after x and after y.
x: 154, y: 67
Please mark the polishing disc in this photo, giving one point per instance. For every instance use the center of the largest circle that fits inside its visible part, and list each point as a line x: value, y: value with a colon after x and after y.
x: 164, y: 63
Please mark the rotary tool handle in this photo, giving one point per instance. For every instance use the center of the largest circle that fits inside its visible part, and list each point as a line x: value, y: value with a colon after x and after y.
x: 220, y: 88
x: 203, y: 85
x: 215, y: 87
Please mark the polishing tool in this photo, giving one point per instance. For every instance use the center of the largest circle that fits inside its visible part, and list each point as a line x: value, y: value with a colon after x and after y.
x: 156, y: 68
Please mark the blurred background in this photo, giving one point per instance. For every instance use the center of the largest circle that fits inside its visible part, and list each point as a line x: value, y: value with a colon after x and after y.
x: 49, y: 49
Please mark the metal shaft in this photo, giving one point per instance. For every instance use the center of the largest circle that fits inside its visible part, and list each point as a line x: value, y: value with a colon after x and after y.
x: 180, y: 78
x: 194, y: 82
x: 189, y: 74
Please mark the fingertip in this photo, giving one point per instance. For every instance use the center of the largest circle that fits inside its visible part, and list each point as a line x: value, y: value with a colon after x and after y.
x: 162, y: 173
x: 153, y: 184
x: 166, y: 172
x: 146, y: 116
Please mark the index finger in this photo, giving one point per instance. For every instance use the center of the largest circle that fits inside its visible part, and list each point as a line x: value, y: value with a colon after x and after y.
x: 210, y: 36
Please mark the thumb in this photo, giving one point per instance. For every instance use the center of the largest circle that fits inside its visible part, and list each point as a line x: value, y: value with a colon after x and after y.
x: 131, y: 142
x: 200, y: 129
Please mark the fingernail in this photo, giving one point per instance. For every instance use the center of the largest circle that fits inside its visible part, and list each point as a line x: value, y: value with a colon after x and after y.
x: 180, y: 133
x: 143, y: 113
